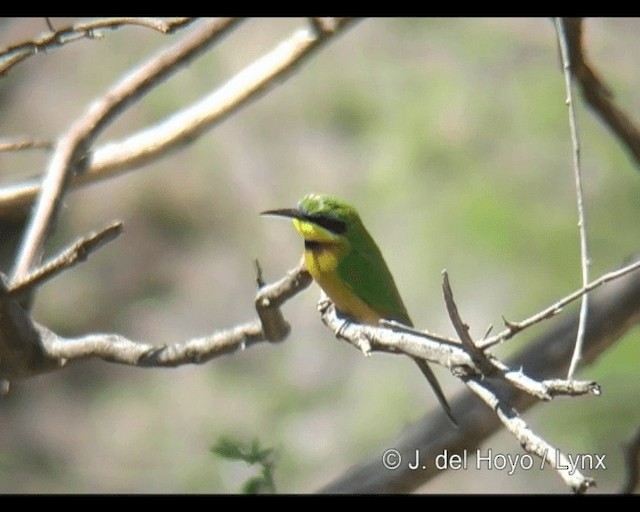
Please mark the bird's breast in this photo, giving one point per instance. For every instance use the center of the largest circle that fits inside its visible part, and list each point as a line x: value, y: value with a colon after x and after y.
x: 322, y: 262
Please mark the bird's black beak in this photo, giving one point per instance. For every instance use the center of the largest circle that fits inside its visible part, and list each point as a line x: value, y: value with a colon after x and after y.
x: 291, y: 213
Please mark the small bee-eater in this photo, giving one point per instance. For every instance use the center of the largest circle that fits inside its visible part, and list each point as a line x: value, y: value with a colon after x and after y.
x: 347, y: 264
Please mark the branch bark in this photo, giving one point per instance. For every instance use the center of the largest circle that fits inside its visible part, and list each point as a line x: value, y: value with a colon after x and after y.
x: 28, y: 348
x: 187, y: 125
x: 73, y: 146
x: 615, y: 308
x: 14, y: 54
x: 596, y: 93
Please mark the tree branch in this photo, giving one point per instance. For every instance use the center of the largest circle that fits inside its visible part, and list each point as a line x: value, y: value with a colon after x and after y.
x: 577, y: 175
x: 14, y: 54
x: 515, y: 327
x: 22, y: 144
x: 632, y: 464
x: 614, y: 309
x: 531, y: 442
x: 75, y: 143
x: 187, y: 125
x: 477, y: 370
x: 596, y: 93
x: 27, y: 348
x: 78, y: 252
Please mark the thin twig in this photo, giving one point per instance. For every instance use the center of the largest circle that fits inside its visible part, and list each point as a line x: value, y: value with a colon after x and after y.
x: 74, y: 144
x: 577, y: 174
x: 462, y: 329
x: 14, y: 54
x: 77, y: 253
x: 508, y: 416
x: 554, y: 309
x: 22, y: 144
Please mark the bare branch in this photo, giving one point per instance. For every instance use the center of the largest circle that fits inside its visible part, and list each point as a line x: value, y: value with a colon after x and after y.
x: 14, y: 54
x: 27, y: 348
x: 614, y: 310
x: 632, y: 464
x: 453, y: 356
x: 577, y: 174
x: 271, y: 297
x: 531, y: 442
x: 462, y: 329
x: 78, y: 252
x: 554, y: 309
x: 475, y: 368
x: 462, y: 364
x: 596, y: 93
x: 21, y: 352
x: 118, y: 349
x: 74, y: 144
x: 187, y: 125
x: 22, y: 144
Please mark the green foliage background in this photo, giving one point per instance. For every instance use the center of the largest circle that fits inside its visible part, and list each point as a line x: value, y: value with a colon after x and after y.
x: 452, y: 138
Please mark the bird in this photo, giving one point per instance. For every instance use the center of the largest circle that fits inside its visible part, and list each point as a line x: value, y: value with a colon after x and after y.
x: 345, y: 261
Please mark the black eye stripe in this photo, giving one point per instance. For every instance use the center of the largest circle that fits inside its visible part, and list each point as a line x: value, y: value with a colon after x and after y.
x: 329, y: 223
x: 312, y: 245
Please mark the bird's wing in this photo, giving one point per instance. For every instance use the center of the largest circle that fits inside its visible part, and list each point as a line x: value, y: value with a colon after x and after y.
x: 364, y: 270
x: 367, y: 274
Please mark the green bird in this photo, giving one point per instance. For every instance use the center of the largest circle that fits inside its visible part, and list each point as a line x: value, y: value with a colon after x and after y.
x: 347, y: 264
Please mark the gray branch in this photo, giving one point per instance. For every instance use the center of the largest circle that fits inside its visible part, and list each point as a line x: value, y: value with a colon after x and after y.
x: 614, y: 309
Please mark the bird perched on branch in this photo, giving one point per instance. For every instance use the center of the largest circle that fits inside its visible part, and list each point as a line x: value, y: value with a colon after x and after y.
x: 347, y: 264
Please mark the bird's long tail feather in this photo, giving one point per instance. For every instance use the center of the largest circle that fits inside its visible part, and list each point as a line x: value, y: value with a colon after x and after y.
x: 435, y: 385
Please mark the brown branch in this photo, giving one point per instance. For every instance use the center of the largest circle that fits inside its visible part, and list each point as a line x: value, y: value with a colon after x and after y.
x: 71, y: 256
x: 187, y: 125
x: 44, y: 350
x: 14, y: 54
x: 271, y: 297
x: 595, y: 92
x: 21, y: 350
x: 75, y: 143
x: 115, y: 348
x: 22, y: 144
x: 632, y: 464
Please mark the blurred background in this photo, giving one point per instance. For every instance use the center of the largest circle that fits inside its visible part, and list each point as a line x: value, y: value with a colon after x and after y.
x: 451, y: 136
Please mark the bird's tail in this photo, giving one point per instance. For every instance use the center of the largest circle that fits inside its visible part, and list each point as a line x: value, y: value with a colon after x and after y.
x: 428, y: 373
